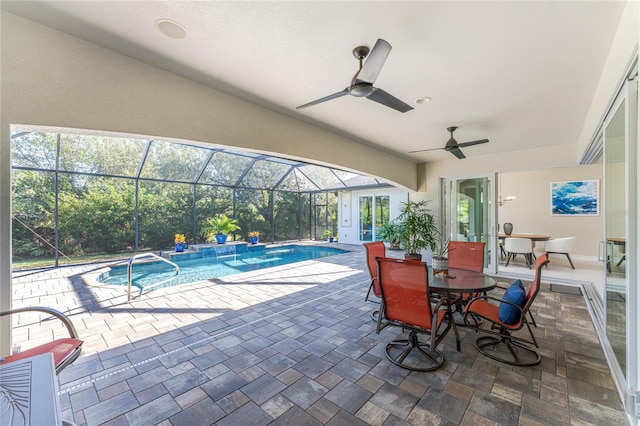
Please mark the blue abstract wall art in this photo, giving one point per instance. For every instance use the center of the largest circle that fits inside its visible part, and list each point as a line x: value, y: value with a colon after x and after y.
x: 575, y: 198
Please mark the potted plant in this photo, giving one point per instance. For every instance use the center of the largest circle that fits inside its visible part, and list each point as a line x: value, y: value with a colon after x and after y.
x: 220, y: 226
x: 254, y: 237
x: 180, y: 242
x: 418, y: 229
x: 440, y: 258
x: 328, y: 235
x: 390, y: 232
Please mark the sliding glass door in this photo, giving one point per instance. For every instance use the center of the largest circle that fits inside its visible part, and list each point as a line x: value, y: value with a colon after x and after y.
x: 620, y: 233
x: 615, y: 232
x: 469, y: 214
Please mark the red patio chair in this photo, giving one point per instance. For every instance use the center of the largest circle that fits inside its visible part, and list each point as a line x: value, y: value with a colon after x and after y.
x: 64, y: 350
x: 465, y: 255
x: 404, y: 286
x: 374, y: 250
x: 518, y: 350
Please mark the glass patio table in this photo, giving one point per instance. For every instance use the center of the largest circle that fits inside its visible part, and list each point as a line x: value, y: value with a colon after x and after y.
x: 458, y: 281
x: 461, y: 281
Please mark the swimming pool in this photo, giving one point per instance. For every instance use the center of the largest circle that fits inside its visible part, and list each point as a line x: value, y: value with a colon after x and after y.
x: 212, y: 265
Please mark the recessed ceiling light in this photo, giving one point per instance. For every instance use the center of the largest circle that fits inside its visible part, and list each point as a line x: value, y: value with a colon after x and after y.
x: 423, y: 100
x: 171, y: 29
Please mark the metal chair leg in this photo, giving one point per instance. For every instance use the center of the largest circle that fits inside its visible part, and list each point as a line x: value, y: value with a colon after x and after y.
x: 366, y: 298
x: 509, y: 256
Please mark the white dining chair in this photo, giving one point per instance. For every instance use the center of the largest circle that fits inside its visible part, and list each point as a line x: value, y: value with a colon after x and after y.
x: 516, y: 246
x: 562, y: 245
x: 533, y: 244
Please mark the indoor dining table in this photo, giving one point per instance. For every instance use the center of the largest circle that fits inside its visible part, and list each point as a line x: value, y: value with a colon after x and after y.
x: 532, y: 237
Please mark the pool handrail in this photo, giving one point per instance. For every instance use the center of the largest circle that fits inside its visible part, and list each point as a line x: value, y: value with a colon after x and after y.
x: 130, y: 270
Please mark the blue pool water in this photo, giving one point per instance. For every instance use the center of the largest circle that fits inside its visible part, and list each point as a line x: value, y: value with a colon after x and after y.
x: 212, y: 266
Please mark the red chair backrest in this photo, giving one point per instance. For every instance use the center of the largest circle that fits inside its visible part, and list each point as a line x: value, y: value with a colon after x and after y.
x: 404, y: 286
x: 373, y: 250
x: 466, y: 255
x: 534, y: 288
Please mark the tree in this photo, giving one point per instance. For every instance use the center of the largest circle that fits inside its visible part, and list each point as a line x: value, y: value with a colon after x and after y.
x: 100, y: 219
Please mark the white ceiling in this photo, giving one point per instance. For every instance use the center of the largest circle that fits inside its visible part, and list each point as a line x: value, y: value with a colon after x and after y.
x: 521, y: 74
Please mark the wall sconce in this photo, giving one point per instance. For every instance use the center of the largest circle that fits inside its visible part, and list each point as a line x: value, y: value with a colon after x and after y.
x: 502, y: 201
x: 505, y: 200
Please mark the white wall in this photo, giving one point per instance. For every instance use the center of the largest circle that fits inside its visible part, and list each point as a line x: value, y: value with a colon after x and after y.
x: 530, y: 211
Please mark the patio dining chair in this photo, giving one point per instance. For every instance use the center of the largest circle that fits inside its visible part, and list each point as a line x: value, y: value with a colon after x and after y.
x: 404, y: 286
x: 374, y: 250
x: 465, y: 255
x: 507, y: 316
x: 64, y: 350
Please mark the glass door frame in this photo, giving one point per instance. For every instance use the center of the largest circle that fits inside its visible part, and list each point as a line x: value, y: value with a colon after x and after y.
x: 449, y: 213
x: 628, y: 379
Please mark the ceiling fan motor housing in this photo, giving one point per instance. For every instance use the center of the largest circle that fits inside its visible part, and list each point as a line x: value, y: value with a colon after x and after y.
x: 361, y: 89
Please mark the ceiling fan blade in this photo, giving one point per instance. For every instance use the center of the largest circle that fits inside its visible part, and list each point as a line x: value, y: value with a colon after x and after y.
x: 374, y: 62
x: 478, y: 142
x: 457, y: 153
x: 425, y: 150
x: 386, y: 99
x: 326, y: 98
x: 453, y: 146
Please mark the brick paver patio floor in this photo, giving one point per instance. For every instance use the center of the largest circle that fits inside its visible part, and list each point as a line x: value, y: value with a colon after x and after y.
x: 295, y: 345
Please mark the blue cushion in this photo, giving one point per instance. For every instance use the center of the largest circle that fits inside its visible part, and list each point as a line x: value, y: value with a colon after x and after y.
x: 509, y: 314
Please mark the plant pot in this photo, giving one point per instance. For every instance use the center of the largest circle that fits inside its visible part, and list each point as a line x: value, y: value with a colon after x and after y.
x: 330, y: 239
x: 254, y: 240
x: 180, y: 247
x: 221, y: 238
x: 409, y: 256
x: 440, y: 264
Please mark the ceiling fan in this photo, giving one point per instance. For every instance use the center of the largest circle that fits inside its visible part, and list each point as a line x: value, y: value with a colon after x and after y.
x: 362, y: 82
x: 453, y: 146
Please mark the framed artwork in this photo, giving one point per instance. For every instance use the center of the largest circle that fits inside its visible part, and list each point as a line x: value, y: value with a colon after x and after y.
x: 575, y: 198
